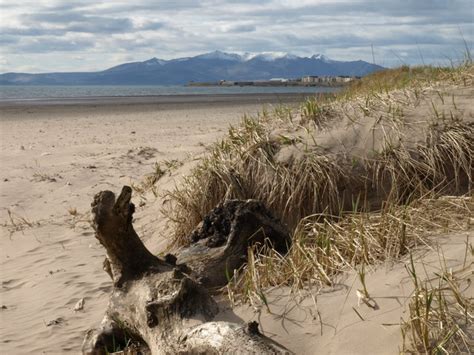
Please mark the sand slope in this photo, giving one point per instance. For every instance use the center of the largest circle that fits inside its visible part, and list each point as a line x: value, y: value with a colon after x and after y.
x: 329, y: 321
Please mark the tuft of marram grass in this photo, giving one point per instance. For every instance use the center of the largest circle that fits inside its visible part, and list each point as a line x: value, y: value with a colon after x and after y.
x: 440, y: 314
x: 407, y: 76
x: 443, y: 165
x: 323, y: 249
x: 245, y: 165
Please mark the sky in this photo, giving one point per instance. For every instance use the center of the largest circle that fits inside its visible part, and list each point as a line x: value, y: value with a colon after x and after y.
x: 52, y: 35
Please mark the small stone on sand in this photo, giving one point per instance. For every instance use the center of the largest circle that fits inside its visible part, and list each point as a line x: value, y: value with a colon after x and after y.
x: 56, y: 321
x: 79, y: 305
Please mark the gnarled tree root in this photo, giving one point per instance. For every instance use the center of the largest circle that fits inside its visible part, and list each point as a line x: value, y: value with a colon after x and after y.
x: 165, y: 303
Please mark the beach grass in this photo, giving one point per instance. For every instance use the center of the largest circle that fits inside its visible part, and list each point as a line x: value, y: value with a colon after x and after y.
x: 323, y: 249
x: 359, y: 178
x: 285, y: 163
x: 440, y: 318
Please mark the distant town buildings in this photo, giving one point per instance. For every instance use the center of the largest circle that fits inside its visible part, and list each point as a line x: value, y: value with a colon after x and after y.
x: 309, y: 80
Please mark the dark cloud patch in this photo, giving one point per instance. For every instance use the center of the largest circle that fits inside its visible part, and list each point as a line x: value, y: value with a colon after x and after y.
x: 78, y: 22
x: 8, y: 39
x: 431, y: 11
x: 43, y: 45
x: 54, y: 17
x: 68, y: 5
x: 434, y: 9
x: 151, y: 7
x: 152, y: 26
x: 95, y: 24
x: 27, y: 32
x: 240, y: 28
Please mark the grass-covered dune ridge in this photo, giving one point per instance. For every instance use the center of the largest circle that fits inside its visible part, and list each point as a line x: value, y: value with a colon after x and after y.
x: 360, y: 177
x: 397, y: 136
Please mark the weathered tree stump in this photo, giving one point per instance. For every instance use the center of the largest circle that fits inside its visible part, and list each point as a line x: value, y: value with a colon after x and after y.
x: 218, y: 246
x: 166, y: 304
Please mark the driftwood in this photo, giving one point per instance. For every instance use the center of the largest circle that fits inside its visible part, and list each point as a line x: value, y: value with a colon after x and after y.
x: 167, y: 304
x: 219, y: 245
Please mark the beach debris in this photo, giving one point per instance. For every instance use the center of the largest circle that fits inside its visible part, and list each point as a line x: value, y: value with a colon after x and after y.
x: 39, y: 177
x: 4, y: 307
x: 225, y: 233
x: 363, y: 298
x: 22, y: 147
x: 45, y: 154
x: 358, y: 314
x: 151, y: 297
x: 360, y: 297
x: 72, y: 211
x: 79, y: 305
x: 171, y: 259
x: 144, y: 152
x: 18, y: 223
x: 57, y: 321
x: 5, y: 180
x: 252, y: 328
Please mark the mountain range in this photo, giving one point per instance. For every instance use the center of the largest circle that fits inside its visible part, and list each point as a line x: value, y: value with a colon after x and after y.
x: 208, y: 67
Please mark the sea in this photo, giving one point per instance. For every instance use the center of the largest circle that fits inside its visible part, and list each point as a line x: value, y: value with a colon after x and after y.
x: 37, y: 92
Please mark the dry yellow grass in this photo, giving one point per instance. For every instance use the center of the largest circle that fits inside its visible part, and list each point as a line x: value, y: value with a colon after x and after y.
x: 359, y: 178
x: 441, y: 318
x: 322, y: 249
x: 294, y: 163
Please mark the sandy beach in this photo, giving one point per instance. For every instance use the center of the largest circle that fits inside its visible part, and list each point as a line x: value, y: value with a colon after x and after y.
x: 55, y: 156
x: 236, y: 177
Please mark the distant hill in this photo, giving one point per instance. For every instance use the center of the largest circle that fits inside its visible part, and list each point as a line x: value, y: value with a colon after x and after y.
x: 213, y: 66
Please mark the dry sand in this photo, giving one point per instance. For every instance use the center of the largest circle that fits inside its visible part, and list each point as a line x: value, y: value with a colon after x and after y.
x: 333, y: 321
x: 56, y: 157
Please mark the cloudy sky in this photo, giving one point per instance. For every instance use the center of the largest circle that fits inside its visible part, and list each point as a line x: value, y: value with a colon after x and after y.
x: 55, y: 35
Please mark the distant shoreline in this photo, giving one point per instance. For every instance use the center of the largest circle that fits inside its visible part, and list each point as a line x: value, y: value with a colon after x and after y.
x: 267, y: 84
x: 54, y: 93
x: 184, y: 99
x: 94, y: 106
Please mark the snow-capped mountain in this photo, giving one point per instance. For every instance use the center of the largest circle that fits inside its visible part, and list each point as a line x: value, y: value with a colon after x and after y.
x: 213, y: 66
x: 321, y: 57
x: 220, y: 56
x: 268, y: 56
x: 265, y: 56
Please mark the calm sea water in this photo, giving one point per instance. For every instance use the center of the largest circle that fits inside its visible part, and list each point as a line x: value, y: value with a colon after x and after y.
x: 57, y: 92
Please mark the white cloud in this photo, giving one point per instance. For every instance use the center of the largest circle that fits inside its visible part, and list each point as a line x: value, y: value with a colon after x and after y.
x: 103, y: 33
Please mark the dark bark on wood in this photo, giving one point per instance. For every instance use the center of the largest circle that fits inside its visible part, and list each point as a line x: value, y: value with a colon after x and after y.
x: 165, y: 303
x: 219, y: 245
